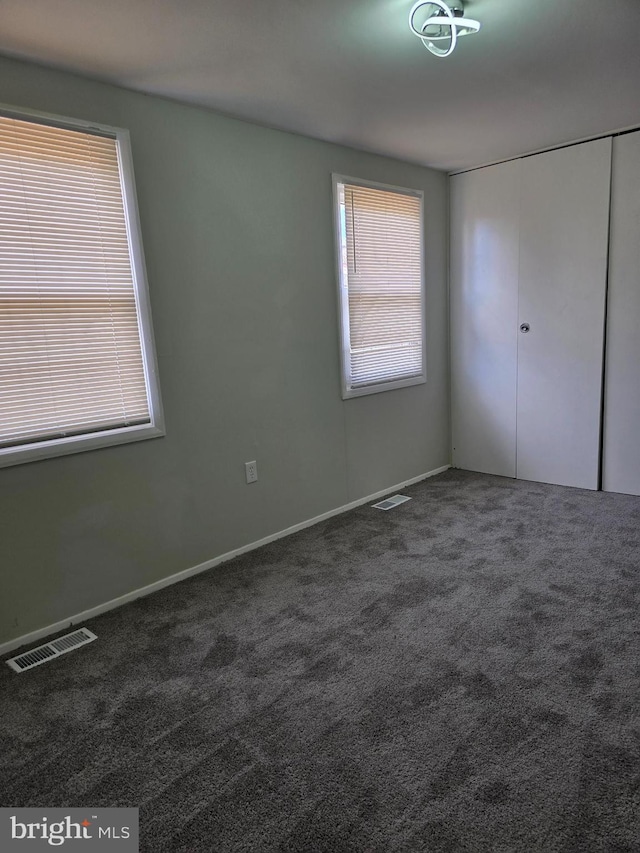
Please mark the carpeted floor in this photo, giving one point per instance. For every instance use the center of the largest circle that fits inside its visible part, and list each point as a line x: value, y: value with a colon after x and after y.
x: 459, y: 674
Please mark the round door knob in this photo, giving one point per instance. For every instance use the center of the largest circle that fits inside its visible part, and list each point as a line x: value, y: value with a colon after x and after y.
x: 524, y: 328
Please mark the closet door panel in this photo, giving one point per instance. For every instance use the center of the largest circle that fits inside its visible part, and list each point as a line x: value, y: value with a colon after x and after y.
x: 564, y: 224
x: 484, y: 310
x: 621, y: 471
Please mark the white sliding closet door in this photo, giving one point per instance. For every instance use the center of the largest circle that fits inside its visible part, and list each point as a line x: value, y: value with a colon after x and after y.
x: 621, y: 470
x: 564, y: 226
x: 484, y: 314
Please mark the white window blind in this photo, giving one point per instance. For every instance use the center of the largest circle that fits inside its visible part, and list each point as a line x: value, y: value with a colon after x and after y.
x: 380, y: 242
x: 71, y: 357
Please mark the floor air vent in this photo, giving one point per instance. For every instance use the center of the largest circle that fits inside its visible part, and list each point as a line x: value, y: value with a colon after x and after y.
x: 41, y: 654
x: 389, y: 503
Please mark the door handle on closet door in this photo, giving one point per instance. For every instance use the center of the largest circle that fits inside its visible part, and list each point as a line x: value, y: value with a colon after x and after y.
x: 524, y: 328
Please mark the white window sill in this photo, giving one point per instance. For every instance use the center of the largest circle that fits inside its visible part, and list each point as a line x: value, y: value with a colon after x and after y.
x: 363, y: 390
x: 77, y: 444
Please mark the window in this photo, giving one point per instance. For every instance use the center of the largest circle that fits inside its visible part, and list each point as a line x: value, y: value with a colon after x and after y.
x: 77, y: 363
x: 381, y: 286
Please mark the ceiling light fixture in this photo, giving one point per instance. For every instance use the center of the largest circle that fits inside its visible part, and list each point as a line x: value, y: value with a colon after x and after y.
x: 444, y: 23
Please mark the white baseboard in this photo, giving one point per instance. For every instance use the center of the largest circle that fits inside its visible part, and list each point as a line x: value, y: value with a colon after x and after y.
x: 34, y: 636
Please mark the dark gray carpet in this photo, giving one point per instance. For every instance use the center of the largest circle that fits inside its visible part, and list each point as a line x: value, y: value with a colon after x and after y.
x: 459, y: 674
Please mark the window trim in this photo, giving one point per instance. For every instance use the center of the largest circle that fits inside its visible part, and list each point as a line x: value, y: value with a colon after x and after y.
x: 349, y: 392
x: 48, y: 448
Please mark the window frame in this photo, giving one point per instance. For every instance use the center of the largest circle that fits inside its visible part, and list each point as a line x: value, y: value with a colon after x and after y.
x: 349, y: 392
x: 60, y: 446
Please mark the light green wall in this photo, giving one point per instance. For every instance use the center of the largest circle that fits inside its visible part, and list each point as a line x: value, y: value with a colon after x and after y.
x: 237, y: 231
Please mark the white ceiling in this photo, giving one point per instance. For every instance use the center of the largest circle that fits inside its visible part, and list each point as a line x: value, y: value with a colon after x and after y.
x: 540, y: 72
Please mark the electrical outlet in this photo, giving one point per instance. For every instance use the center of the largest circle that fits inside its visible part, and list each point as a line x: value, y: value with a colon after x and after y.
x: 251, y: 471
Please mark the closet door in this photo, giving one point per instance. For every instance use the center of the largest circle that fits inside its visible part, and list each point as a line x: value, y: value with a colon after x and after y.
x: 484, y: 312
x: 564, y: 223
x: 621, y: 471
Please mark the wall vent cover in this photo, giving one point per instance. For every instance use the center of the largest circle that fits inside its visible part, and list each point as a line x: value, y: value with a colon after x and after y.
x: 53, y: 649
x: 389, y: 503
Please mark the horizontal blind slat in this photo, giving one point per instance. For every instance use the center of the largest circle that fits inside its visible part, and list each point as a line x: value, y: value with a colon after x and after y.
x: 70, y: 351
x: 382, y: 266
